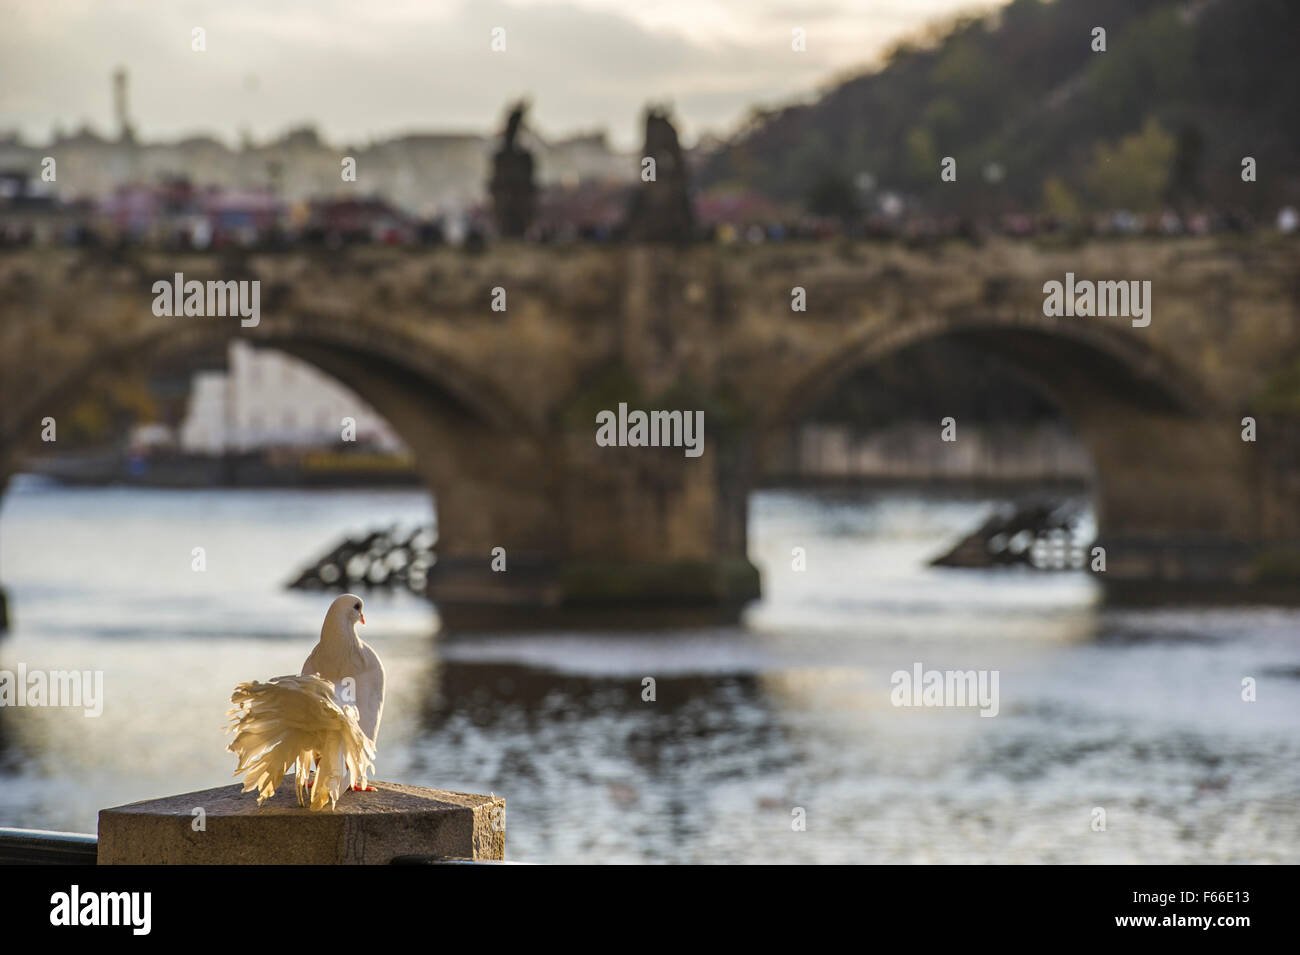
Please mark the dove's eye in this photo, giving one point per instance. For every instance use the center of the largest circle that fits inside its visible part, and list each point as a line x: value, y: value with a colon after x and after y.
x: 357, y: 607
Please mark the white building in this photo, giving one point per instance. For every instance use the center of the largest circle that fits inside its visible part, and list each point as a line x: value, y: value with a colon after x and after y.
x: 268, y: 399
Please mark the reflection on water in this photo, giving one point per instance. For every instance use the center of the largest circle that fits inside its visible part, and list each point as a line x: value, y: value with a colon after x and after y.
x: 1139, y: 713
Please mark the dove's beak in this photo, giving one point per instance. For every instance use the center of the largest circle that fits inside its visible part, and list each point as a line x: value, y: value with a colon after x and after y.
x: 363, y: 618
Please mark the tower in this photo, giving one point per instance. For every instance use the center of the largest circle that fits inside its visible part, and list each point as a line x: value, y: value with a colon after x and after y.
x: 125, y: 133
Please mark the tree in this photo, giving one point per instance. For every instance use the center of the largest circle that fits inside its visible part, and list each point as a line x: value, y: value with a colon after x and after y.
x: 1133, y: 174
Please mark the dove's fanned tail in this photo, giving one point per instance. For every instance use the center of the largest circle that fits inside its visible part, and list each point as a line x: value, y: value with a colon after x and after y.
x: 282, y: 723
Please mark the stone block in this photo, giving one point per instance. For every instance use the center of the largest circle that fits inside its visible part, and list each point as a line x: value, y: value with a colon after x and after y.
x: 369, y: 828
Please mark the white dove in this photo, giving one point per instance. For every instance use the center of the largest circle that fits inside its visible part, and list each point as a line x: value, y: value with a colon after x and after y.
x: 331, y: 712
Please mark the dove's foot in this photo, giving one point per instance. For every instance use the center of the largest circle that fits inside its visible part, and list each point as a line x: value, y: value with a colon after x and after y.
x: 362, y: 789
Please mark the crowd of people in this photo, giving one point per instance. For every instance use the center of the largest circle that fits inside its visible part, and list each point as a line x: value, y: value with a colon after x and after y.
x: 178, y: 215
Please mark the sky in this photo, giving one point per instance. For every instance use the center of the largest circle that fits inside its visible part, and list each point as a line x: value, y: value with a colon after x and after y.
x: 368, y: 69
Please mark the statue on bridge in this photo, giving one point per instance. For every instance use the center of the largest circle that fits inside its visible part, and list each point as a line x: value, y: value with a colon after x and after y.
x: 514, y: 193
x: 661, y: 206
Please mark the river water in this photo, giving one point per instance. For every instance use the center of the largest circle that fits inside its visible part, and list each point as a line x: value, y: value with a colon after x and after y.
x: 1137, y: 713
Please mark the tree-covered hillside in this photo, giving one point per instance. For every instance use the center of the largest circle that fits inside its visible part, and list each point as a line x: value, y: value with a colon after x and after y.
x: 1038, y: 121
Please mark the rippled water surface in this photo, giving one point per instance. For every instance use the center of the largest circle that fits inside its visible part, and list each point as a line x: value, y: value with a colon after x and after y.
x: 1138, y: 713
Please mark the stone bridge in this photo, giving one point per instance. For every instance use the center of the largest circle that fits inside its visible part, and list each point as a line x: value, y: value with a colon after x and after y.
x: 499, y: 406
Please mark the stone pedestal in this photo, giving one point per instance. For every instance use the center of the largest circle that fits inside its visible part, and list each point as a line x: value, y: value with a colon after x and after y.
x: 371, y: 828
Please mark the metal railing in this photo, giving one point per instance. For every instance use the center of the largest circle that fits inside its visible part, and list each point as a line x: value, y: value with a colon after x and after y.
x: 42, y: 847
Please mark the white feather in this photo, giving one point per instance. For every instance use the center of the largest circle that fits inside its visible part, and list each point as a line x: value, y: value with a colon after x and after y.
x: 330, y: 712
x: 282, y: 723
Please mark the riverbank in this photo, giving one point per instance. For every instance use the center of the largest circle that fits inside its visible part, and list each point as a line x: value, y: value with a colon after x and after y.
x: 269, y: 468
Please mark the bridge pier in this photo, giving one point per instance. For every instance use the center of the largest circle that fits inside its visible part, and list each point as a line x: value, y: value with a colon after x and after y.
x: 1187, y: 509
x: 593, y: 536
x: 5, y: 474
x: 546, y: 593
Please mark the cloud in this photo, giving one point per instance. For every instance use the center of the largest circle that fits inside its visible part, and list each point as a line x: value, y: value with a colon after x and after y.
x: 375, y: 68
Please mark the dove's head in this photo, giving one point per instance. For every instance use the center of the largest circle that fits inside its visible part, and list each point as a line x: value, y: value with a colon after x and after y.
x: 346, y: 611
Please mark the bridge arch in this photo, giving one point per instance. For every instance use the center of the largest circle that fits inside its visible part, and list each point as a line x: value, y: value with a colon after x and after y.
x: 1125, y: 361
x: 479, y: 453
x: 351, y: 349
x: 1163, y: 446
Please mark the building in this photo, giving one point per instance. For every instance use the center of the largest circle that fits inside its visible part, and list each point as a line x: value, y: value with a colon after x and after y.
x: 266, y: 399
